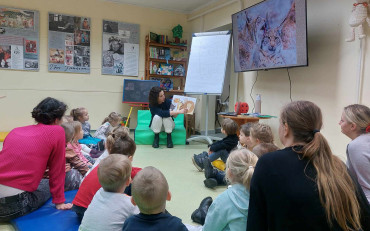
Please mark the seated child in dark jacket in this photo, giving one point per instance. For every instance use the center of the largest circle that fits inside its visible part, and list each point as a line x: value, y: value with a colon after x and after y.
x: 252, y: 136
x: 220, y: 149
x: 150, y: 192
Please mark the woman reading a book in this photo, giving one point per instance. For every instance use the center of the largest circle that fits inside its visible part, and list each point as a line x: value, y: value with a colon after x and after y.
x: 162, y: 115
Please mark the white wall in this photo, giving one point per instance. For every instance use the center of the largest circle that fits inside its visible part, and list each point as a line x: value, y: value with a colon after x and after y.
x: 100, y: 94
x: 329, y: 80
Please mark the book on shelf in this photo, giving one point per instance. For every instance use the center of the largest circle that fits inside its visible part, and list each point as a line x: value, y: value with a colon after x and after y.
x: 165, y: 83
x: 154, y: 66
x: 179, y: 55
x: 165, y: 69
x: 180, y: 102
x: 153, y: 52
x: 178, y: 70
x: 153, y: 37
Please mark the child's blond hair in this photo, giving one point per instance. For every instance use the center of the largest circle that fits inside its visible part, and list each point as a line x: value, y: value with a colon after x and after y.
x: 67, y: 118
x: 263, y: 148
x: 113, y: 172
x: 76, y: 113
x: 119, y: 141
x: 69, y: 131
x: 262, y: 132
x: 77, y: 126
x: 149, y: 190
x: 229, y: 126
x: 240, y: 167
x: 112, y: 117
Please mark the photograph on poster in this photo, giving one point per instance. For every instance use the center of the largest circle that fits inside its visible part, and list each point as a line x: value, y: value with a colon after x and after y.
x: 78, y: 62
x: 19, y: 38
x: 63, y: 23
x: 56, y: 56
x: 69, y: 60
x: 117, y: 57
x: 31, y: 46
x: 85, y: 24
x: 110, y: 27
x: 16, y: 18
x: 5, y: 56
x: 72, y: 35
x: 31, y: 64
x: 82, y: 38
x: 108, y: 59
x: 85, y: 62
x: 69, y: 50
x: 82, y: 51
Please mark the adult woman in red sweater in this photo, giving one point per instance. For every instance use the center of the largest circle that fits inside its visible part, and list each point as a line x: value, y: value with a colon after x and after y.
x: 27, y: 152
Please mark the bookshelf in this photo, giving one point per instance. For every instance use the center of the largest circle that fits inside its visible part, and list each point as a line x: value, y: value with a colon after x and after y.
x: 156, y: 65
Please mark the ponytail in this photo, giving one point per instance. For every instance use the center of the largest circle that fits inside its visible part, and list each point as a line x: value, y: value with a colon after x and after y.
x: 241, y: 164
x: 335, y: 186
x: 119, y: 142
x: 333, y: 181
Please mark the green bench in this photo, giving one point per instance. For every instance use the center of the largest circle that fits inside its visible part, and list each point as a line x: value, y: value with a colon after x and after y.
x: 144, y: 135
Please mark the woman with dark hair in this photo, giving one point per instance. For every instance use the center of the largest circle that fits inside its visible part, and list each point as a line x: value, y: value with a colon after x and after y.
x: 355, y: 123
x: 161, y: 115
x: 27, y: 152
x: 304, y: 186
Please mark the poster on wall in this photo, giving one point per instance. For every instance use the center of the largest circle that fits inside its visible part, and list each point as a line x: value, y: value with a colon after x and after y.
x: 19, y: 39
x: 120, y: 48
x: 69, y: 43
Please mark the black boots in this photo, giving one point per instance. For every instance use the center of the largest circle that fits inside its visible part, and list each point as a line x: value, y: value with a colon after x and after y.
x: 169, y: 141
x: 156, y: 141
x: 199, y: 215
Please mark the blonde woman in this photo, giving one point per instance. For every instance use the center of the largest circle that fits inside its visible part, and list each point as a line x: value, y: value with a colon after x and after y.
x: 304, y: 186
x: 355, y: 123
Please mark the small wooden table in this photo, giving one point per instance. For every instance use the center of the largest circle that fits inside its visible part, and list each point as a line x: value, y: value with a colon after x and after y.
x: 240, y: 120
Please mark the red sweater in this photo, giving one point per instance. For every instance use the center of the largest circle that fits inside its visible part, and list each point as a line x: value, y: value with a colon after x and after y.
x: 90, y: 185
x: 27, y: 152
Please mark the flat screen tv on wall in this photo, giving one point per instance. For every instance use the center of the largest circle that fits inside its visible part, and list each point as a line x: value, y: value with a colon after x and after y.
x: 270, y: 34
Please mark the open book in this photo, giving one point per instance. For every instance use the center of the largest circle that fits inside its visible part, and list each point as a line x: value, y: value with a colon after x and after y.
x: 180, y: 102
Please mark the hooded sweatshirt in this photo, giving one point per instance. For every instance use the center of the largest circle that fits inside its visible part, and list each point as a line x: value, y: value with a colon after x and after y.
x: 229, y: 210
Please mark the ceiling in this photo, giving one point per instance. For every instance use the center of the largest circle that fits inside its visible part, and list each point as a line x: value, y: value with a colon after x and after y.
x: 183, y: 6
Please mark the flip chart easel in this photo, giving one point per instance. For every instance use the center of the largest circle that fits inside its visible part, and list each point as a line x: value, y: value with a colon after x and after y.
x: 206, y: 69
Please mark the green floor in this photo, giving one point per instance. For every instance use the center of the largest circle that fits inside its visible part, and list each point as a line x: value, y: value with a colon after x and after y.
x: 186, y: 183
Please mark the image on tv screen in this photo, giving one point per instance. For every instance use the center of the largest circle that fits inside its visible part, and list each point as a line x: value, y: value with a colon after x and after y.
x: 270, y: 34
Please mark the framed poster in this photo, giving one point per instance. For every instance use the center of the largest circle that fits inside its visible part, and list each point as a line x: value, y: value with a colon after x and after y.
x: 19, y: 39
x: 69, y: 43
x: 120, y: 48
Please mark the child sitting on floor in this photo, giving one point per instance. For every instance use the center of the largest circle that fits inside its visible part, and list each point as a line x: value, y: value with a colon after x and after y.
x: 118, y: 142
x: 75, y: 146
x: 81, y: 114
x: 110, y: 207
x: 222, y: 148
x: 258, y: 133
x: 111, y: 121
x: 75, y: 167
x: 229, y: 210
x: 244, y: 136
x: 149, y: 193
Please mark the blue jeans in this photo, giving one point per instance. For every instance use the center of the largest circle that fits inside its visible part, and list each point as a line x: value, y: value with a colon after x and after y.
x: 223, y: 154
x: 25, y: 202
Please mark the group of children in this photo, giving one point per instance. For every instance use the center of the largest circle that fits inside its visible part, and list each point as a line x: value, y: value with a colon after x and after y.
x: 255, y: 137
x: 82, y: 149
x: 116, y: 196
x: 108, y: 198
